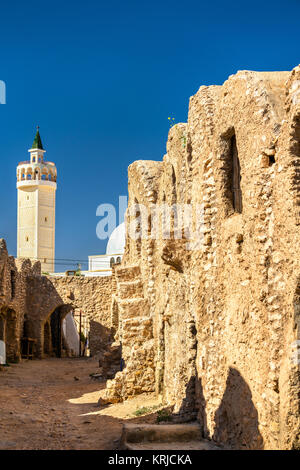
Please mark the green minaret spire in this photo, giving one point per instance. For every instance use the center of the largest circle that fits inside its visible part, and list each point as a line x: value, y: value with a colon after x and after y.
x: 37, y: 143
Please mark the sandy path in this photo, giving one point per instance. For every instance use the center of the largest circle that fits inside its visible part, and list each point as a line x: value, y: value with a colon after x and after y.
x: 42, y: 406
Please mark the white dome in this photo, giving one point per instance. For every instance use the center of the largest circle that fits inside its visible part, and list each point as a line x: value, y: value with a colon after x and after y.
x: 116, y: 242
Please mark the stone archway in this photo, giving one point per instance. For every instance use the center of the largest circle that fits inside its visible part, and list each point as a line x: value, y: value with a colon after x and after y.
x: 56, y: 332
x: 2, y: 327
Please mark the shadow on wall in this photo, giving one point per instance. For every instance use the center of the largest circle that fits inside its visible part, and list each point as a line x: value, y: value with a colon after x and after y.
x: 193, y: 405
x: 100, y: 336
x: 237, y: 418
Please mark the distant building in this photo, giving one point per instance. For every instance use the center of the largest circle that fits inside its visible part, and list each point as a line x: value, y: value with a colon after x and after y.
x: 36, y: 185
x: 100, y: 265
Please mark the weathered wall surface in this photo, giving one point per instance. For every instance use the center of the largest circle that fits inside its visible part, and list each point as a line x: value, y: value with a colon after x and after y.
x: 13, y: 287
x: 135, y: 336
x: 209, y: 321
x: 28, y: 300
x: 225, y: 311
x: 93, y: 296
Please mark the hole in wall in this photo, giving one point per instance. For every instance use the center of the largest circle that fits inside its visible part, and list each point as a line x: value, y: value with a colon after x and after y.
x: 231, y: 174
x: 271, y: 159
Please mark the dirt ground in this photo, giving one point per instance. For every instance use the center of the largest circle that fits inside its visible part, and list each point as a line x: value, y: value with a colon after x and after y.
x: 52, y: 404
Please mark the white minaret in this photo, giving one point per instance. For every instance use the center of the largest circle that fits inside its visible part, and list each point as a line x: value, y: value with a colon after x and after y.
x: 36, y: 184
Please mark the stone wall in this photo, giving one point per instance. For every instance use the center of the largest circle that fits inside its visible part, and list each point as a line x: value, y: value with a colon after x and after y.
x: 13, y: 287
x: 93, y: 296
x: 135, y: 337
x: 28, y: 300
x: 223, y: 306
x: 209, y: 316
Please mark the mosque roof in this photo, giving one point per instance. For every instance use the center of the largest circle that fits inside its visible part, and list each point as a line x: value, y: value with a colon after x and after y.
x: 116, y: 242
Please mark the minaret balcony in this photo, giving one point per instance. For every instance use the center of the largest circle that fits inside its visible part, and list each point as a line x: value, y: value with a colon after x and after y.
x: 36, y: 182
x: 36, y: 172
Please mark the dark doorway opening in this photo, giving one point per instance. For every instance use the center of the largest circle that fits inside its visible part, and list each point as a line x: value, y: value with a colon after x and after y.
x: 56, y: 333
x: 47, y: 338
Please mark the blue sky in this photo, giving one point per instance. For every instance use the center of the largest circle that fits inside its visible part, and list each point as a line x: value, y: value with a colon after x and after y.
x: 101, y: 78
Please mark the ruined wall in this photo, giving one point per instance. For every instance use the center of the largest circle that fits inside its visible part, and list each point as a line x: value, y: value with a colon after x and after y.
x: 13, y: 286
x: 130, y: 311
x: 28, y: 299
x: 224, y: 306
x: 93, y: 296
x: 244, y: 300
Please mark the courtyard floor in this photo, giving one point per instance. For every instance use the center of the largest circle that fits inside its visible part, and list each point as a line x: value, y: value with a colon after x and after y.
x: 52, y: 404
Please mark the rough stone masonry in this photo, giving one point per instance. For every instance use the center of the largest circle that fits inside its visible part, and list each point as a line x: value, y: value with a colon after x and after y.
x: 214, y: 329
x: 29, y: 301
